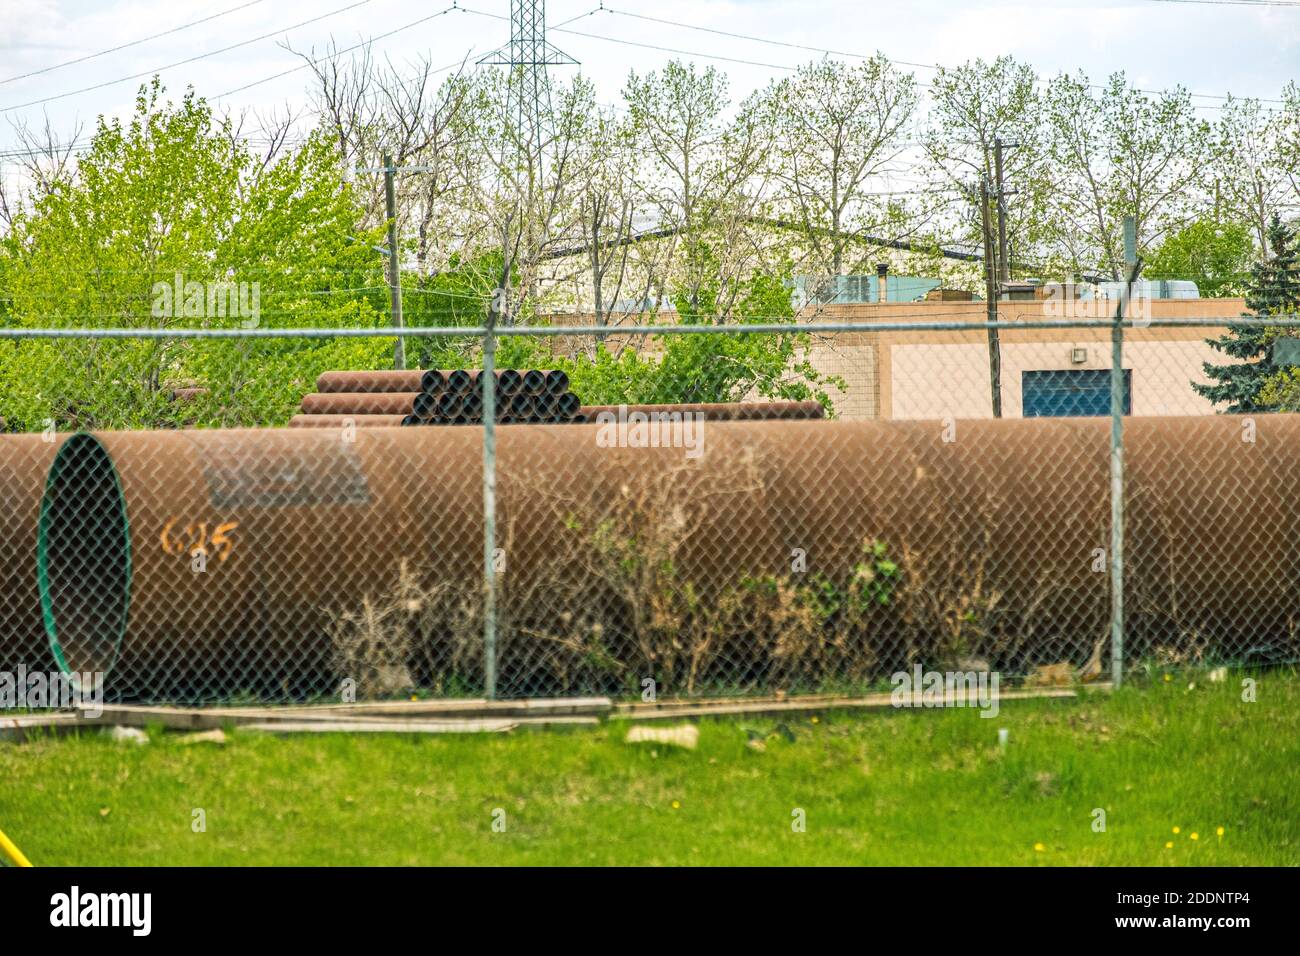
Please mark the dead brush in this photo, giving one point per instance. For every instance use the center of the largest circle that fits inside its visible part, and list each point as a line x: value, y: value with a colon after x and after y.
x: 372, y: 645
x: 613, y: 603
x: 946, y: 603
x: 657, y: 623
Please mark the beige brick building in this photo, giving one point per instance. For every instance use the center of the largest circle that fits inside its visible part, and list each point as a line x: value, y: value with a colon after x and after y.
x: 929, y: 374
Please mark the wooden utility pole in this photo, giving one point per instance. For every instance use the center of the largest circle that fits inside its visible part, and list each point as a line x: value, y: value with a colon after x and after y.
x: 394, y: 261
x: 1004, y: 260
x: 991, y: 299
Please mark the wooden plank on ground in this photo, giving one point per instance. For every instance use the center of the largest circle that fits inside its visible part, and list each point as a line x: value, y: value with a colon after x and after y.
x: 208, y: 718
x: 35, y: 726
x: 137, y: 715
x: 799, y: 705
x: 475, y: 707
x: 562, y: 721
x: 473, y: 726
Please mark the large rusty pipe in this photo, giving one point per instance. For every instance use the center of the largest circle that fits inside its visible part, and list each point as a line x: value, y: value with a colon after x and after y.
x: 720, y: 411
x: 24, y: 462
x: 364, y: 403
x: 297, y: 526
x: 384, y: 380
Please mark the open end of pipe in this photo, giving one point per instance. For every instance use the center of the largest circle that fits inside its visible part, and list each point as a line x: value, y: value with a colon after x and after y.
x: 509, y: 381
x: 459, y: 381
x: 83, y: 558
x: 432, y: 381
x: 534, y: 382
x: 569, y: 404
x: 424, y: 405
x: 557, y: 382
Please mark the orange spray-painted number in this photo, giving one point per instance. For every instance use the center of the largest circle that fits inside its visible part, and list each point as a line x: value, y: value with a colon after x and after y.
x: 194, y: 537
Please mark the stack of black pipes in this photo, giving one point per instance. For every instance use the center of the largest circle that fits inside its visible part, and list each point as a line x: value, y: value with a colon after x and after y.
x: 438, y: 397
x: 529, y: 396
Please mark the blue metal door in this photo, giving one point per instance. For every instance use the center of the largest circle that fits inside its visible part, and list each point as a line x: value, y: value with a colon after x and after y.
x: 1057, y: 393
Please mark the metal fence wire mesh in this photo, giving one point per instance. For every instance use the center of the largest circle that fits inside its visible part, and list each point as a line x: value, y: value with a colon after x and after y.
x: 889, y: 521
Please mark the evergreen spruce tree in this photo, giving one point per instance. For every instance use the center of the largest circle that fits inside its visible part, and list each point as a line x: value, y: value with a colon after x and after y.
x: 1274, y: 290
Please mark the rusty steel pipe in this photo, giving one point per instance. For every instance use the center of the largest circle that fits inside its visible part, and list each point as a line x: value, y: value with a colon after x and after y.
x: 450, y: 404
x: 722, y: 411
x: 534, y: 382
x: 557, y: 382
x: 568, y: 405
x: 508, y: 381
x: 24, y: 463
x: 384, y: 380
x: 459, y: 381
x: 425, y: 405
x: 299, y: 526
x: 364, y: 403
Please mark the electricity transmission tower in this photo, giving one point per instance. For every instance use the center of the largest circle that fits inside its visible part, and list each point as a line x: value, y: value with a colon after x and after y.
x: 528, y: 104
x: 527, y: 135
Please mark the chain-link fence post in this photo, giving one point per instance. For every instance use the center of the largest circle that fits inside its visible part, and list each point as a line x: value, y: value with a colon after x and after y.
x: 489, y: 513
x: 1117, y: 458
x: 1117, y: 496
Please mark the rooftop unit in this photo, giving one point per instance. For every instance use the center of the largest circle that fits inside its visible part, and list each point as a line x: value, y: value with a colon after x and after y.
x: 842, y: 290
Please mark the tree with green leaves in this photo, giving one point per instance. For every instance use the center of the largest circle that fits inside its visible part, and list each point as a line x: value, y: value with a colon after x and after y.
x: 168, y: 220
x: 1217, y: 256
x: 838, y: 129
x: 1274, y: 290
x: 973, y: 106
x: 1118, y: 151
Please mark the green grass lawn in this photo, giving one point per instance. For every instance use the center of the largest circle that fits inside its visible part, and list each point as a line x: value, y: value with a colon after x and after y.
x: 880, y: 787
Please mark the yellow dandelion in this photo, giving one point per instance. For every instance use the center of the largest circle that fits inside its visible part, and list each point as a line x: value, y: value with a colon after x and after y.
x: 1039, y: 848
x: 676, y: 805
x: 1168, y: 678
x: 1194, y: 835
x: 1219, y: 832
x: 816, y: 720
x: 1178, y: 829
x: 1169, y: 845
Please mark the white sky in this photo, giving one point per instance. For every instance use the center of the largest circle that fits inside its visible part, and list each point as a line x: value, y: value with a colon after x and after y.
x: 1210, y: 48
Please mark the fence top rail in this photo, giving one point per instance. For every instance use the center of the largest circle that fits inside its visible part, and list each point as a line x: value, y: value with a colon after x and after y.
x: 782, y: 328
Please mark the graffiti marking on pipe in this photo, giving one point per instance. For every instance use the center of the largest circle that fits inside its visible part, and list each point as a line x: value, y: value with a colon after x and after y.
x: 194, y: 537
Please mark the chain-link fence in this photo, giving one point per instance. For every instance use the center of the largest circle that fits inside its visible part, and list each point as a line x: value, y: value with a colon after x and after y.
x: 822, y: 506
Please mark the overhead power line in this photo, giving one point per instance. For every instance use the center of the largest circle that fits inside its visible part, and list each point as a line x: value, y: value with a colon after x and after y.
x: 860, y: 56
x: 1237, y: 3
x: 338, y: 53
x: 124, y: 46
x: 192, y: 59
